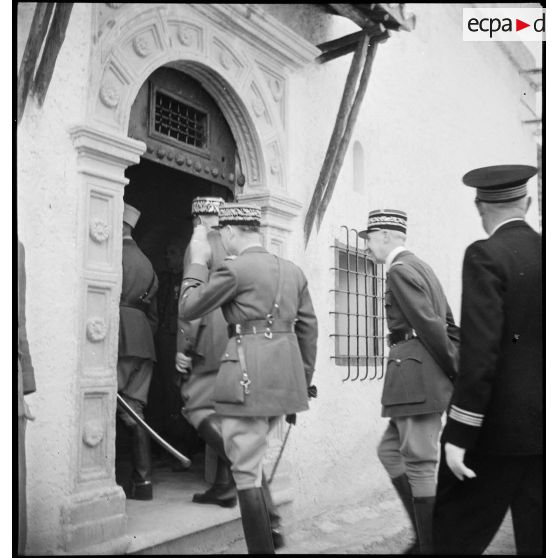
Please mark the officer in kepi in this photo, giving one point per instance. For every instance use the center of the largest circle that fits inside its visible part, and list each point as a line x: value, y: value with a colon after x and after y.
x: 200, y: 345
x: 421, y: 366
x: 492, y: 456
x: 136, y: 350
x: 267, y: 367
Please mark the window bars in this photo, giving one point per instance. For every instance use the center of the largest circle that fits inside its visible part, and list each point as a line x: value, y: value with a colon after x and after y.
x: 180, y: 121
x: 360, y: 332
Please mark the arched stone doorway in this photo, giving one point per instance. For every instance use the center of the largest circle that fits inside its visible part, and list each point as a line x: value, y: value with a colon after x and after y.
x: 243, y: 63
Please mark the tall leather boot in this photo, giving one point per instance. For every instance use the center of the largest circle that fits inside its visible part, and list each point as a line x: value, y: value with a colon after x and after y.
x: 255, y: 521
x: 223, y: 491
x: 403, y: 489
x: 424, y: 508
x: 274, y: 517
x: 140, y: 486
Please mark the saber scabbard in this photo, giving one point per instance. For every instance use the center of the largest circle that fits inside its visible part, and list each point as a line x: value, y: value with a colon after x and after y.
x: 280, y: 454
x: 163, y: 443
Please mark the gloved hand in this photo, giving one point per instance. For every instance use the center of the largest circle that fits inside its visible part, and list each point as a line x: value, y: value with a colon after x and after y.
x: 291, y: 419
x: 183, y: 363
x: 200, y: 249
x: 312, y: 392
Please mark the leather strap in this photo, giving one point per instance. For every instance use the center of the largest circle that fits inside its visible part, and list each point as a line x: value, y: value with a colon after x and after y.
x: 253, y: 327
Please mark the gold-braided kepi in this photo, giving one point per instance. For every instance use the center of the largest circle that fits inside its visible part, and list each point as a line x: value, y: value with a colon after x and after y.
x: 388, y: 219
x: 206, y: 205
x: 239, y: 214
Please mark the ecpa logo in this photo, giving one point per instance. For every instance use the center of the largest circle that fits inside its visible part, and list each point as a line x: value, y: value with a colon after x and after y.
x: 503, y: 24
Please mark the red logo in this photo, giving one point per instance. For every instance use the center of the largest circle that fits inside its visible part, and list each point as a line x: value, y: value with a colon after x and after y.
x: 519, y: 25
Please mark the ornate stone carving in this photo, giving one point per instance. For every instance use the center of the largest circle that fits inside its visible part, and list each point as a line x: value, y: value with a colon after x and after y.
x: 109, y: 95
x: 96, y: 329
x: 142, y: 47
x: 276, y: 88
x: 185, y: 35
x: 98, y: 230
x: 275, y: 167
x: 226, y: 59
x: 258, y: 106
x: 93, y: 433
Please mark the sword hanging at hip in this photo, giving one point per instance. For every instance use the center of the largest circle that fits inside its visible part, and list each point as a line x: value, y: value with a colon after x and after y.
x: 163, y: 443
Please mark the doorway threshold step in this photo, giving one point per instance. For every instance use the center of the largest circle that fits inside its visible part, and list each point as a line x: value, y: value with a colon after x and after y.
x: 172, y: 524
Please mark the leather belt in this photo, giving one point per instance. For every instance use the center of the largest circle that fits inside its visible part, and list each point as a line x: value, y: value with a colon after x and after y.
x: 138, y: 306
x: 401, y: 335
x: 253, y: 327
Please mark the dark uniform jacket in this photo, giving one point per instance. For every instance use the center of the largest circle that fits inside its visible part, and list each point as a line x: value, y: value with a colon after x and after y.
x: 25, y: 372
x: 418, y: 370
x: 497, y: 404
x: 204, y: 340
x: 280, y: 369
x: 138, y: 321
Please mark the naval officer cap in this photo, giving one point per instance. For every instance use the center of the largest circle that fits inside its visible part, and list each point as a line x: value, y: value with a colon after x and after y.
x: 239, y: 214
x: 206, y: 205
x: 500, y: 183
x: 131, y: 215
x: 385, y: 219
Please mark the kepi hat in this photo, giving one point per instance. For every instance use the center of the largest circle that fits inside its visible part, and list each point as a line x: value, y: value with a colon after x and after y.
x: 500, y: 183
x: 385, y: 219
x: 239, y: 214
x: 206, y: 205
x: 131, y: 215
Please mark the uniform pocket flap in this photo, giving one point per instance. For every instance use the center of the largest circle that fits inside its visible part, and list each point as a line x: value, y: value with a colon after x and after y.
x: 404, y: 383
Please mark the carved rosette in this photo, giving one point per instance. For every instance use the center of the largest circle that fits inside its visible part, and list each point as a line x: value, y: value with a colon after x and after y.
x: 185, y: 35
x: 258, y: 106
x: 142, y: 46
x: 93, y: 433
x: 276, y: 88
x: 109, y: 95
x: 96, y: 329
x: 99, y: 230
x: 226, y: 59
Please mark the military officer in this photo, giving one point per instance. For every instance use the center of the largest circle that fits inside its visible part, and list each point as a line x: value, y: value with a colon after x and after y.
x: 421, y: 365
x: 200, y: 345
x: 136, y: 349
x: 269, y: 359
x: 25, y: 386
x: 493, y: 439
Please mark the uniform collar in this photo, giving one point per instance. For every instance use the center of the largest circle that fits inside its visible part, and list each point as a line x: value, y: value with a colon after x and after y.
x: 499, y: 225
x: 393, y: 254
x: 251, y: 249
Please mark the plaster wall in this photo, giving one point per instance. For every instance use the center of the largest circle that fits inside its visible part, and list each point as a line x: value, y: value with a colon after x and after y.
x: 435, y: 108
x: 47, y: 198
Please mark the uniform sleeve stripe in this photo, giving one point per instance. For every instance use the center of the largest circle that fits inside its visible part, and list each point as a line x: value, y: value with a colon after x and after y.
x: 464, y: 419
x: 469, y: 413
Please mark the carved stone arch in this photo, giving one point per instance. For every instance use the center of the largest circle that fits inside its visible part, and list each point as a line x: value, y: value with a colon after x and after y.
x: 176, y: 36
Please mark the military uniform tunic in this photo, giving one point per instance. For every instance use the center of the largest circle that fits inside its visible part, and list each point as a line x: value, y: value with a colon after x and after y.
x: 281, y: 368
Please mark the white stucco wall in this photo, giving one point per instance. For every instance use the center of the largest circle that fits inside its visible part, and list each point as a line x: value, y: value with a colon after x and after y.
x: 47, y: 197
x: 435, y: 108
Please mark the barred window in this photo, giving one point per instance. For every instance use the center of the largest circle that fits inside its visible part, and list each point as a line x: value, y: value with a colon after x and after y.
x: 179, y: 121
x: 359, y: 311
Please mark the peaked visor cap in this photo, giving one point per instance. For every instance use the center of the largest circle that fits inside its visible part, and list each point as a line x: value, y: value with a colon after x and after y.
x: 500, y: 183
x: 206, y: 205
x: 385, y: 219
x: 239, y: 214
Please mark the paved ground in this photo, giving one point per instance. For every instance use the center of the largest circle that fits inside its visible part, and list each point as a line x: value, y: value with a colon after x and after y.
x: 364, y: 529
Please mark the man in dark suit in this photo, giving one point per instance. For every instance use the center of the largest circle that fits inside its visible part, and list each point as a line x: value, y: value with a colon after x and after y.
x: 25, y: 385
x: 136, y: 349
x: 421, y: 365
x: 494, y: 434
x: 269, y: 359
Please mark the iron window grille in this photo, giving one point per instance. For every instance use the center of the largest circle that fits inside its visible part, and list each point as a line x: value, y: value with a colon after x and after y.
x: 179, y: 122
x: 360, y: 333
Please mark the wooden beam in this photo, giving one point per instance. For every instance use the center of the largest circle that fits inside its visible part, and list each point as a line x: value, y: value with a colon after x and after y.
x: 340, y: 156
x: 345, y: 45
x: 54, y: 41
x: 354, y: 14
x: 37, y: 33
x: 342, y: 115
